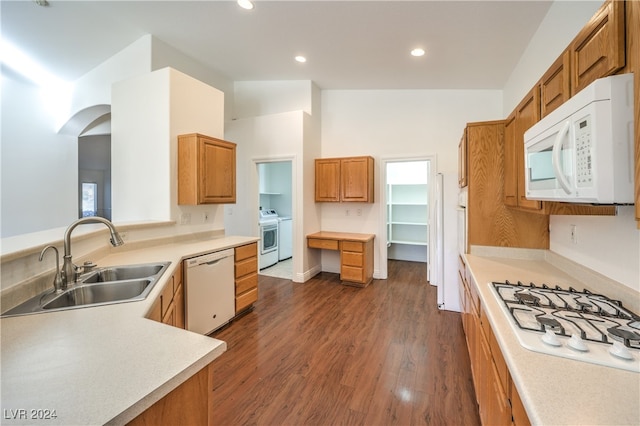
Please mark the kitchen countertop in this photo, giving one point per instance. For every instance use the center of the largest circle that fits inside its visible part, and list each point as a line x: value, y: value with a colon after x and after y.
x: 554, y: 390
x: 105, y: 364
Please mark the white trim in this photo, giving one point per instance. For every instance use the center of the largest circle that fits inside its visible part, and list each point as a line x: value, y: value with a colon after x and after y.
x: 382, y: 196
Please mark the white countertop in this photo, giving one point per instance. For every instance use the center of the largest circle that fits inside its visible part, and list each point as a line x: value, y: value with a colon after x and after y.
x: 106, y: 364
x: 554, y: 390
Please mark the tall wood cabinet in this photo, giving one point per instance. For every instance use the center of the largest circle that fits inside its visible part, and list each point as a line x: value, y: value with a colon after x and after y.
x: 206, y: 170
x: 348, y: 179
x: 490, y: 221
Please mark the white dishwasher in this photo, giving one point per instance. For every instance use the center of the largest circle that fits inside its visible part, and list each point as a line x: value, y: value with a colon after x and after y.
x: 210, y: 291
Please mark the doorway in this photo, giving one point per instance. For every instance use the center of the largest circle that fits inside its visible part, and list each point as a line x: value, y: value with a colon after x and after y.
x: 94, y: 176
x: 407, y: 190
x: 276, y: 199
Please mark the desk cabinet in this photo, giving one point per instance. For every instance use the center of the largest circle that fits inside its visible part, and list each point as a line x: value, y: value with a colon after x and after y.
x: 356, y: 254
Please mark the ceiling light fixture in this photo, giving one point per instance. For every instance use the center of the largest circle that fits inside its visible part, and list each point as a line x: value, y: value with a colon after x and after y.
x: 301, y: 59
x: 245, y: 4
x: 417, y: 52
x: 42, y: 3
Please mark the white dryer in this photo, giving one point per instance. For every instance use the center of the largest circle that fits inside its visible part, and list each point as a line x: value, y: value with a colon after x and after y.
x: 285, y: 237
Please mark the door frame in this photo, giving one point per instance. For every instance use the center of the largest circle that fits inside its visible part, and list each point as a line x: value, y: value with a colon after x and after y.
x: 382, y: 196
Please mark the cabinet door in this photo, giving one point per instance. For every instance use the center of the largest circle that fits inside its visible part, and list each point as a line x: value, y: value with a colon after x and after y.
x: 510, y: 163
x: 599, y: 49
x: 462, y: 161
x: 178, y: 302
x: 527, y: 114
x: 206, y: 170
x: 356, y: 179
x: 555, y: 85
x: 218, y: 177
x: 328, y: 180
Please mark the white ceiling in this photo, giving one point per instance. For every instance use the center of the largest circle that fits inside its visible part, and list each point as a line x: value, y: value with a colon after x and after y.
x: 349, y: 44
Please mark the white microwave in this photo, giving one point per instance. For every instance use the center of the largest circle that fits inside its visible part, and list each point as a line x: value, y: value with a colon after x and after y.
x: 582, y: 152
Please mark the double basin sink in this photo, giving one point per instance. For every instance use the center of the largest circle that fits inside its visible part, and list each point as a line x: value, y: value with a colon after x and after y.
x: 102, y: 286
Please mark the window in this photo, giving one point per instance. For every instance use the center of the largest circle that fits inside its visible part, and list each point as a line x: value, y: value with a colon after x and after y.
x: 89, y: 199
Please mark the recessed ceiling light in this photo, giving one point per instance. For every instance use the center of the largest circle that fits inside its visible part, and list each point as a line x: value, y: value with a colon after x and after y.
x: 245, y: 4
x: 417, y: 52
x: 301, y: 59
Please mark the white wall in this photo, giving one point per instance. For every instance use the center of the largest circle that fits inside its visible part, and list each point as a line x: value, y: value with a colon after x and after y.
x: 272, y: 138
x: 255, y: 98
x: 394, y: 124
x: 608, y: 245
x: 148, y: 114
x: 561, y: 24
x: 39, y: 167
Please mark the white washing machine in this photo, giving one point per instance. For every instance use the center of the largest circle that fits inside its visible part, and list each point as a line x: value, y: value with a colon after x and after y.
x: 285, y: 238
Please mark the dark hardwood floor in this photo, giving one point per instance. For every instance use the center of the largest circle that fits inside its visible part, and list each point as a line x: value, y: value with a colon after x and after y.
x: 321, y: 353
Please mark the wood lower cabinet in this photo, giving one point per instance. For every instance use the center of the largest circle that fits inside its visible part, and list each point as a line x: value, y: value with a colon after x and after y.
x: 498, y: 401
x: 348, y: 179
x: 168, y: 308
x: 206, y: 170
x: 246, y: 276
x: 188, y: 404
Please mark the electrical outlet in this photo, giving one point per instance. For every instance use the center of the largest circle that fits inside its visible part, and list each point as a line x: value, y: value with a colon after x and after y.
x: 347, y: 212
x: 359, y: 212
x: 185, y: 218
x: 574, y: 234
x: 205, y: 216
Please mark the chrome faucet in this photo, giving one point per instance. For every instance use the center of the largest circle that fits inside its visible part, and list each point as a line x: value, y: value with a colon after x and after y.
x: 68, y: 273
x: 57, y: 280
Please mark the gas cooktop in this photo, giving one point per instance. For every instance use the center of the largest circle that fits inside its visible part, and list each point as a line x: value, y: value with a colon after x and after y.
x: 573, y: 324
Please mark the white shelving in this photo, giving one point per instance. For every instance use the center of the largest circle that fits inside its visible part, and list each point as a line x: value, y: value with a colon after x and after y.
x: 408, y: 214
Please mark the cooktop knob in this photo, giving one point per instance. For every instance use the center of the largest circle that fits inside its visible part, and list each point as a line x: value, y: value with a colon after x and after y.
x: 620, y: 350
x: 551, y: 339
x: 577, y: 343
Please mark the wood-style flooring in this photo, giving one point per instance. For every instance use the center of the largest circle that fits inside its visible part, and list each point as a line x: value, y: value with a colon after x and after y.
x: 321, y: 353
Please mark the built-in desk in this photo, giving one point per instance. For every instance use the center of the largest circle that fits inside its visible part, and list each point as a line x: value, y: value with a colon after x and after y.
x: 356, y: 254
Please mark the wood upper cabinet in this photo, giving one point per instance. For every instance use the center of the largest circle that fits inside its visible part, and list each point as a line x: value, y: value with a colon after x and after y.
x: 527, y: 114
x: 348, y: 179
x: 510, y: 169
x: 328, y: 179
x: 490, y: 221
x: 206, y: 170
x: 599, y: 48
x: 555, y: 84
x: 462, y: 161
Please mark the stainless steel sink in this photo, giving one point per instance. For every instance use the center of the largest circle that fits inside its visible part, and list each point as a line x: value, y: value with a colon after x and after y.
x: 102, y: 286
x: 119, y: 273
x: 92, y: 294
